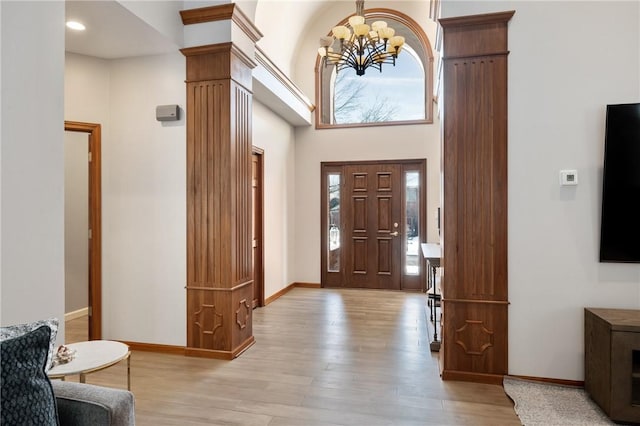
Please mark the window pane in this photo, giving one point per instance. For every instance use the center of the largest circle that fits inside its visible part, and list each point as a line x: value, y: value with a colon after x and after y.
x: 395, y: 94
x: 333, y: 232
x: 412, y: 232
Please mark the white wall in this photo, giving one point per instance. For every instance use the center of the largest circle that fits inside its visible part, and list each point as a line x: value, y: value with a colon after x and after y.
x: 86, y: 91
x: 276, y: 137
x: 144, y: 203
x: 367, y: 143
x: 32, y: 194
x: 560, y: 81
x: 1, y: 114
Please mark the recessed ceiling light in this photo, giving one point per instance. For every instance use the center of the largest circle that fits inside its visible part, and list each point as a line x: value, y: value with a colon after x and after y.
x: 74, y: 25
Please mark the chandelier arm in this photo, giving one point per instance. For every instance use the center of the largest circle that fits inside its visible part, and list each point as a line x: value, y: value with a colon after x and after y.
x: 352, y: 50
x: 351, y: 61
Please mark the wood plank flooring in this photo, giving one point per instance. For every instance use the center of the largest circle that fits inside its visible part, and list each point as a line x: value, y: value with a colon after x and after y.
x: 323, y: 357
x: 76, y: 330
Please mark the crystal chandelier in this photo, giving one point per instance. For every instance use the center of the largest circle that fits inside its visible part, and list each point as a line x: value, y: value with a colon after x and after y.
x: 361, y: 46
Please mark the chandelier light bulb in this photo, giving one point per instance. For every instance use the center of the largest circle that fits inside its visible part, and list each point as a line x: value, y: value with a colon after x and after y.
x: 386, y: 33
x: 341, y: 32
x: 378, y: 25
x: 356, y: 20
x: 361, y: 30
x: 326, y: 41
x: 396, y: 41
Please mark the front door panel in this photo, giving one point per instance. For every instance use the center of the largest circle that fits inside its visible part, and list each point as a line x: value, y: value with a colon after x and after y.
x: 373, y: 254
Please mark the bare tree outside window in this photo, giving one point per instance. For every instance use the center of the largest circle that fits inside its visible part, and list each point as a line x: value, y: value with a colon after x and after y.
x: 352, y: 106
x: 396, y: 94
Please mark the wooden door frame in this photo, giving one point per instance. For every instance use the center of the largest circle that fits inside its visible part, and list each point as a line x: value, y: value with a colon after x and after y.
x: 327, y: 167
x: 93, y: 130
x: 259, y: 209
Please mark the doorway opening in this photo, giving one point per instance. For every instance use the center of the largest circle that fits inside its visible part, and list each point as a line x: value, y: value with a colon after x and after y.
x: 373, y: 219
x: 83, y: 228
x: 257, y: 233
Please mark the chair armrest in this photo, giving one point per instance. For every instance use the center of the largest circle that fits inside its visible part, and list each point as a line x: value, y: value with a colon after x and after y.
x: 82, y: 404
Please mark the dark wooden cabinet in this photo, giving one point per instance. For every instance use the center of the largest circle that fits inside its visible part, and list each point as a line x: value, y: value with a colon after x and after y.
x: 612, y: 361
x: 474, y: 225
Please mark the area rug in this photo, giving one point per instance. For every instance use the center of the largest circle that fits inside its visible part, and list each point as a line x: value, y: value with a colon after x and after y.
x: 547, y: 404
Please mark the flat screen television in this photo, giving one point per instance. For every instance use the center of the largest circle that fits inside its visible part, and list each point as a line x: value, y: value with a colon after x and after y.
x: 620, y: 223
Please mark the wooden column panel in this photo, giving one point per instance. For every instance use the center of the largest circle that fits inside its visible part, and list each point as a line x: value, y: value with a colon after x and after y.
x: 219, y: 262
x: 476, y: 343
x: 474, y: 216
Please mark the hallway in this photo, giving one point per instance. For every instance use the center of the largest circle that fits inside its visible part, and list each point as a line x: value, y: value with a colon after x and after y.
x: 322, y: 357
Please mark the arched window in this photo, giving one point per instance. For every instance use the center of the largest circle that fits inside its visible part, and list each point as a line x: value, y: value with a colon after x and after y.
x: 400, y: 94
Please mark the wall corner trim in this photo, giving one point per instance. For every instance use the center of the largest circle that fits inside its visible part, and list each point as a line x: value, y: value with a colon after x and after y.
x: 278, y: 74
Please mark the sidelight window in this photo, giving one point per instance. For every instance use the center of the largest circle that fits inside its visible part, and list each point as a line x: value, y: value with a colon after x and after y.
x: 412, y: 223
x: 334, y: 226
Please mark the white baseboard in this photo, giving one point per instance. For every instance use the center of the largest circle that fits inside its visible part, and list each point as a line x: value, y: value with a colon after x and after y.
x: 76, y: 314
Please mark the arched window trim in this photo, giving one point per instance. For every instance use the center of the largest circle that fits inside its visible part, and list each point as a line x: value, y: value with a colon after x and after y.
x: 427, y: 63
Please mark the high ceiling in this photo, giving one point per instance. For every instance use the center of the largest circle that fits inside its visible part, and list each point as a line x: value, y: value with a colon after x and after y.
x: 112, y: 32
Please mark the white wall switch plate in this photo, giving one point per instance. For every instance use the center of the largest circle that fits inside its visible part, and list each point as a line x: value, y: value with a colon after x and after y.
x: 568, y: 177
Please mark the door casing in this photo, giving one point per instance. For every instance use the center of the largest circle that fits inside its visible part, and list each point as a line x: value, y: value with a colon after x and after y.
x: 258, y: 225
x: 339, y: 279
x: 93, y: 131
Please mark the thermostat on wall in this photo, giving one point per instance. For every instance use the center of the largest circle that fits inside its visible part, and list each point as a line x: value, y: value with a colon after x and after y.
x: 167, y: 112
x: 568, y: 177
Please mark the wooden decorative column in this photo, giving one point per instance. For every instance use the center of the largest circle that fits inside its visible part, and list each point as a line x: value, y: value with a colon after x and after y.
x: 474, y: 227
x: 219, y: 269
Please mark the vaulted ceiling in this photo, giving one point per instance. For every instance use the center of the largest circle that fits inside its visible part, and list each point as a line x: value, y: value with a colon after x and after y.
x: 114, y: 31
x: 127, y: 28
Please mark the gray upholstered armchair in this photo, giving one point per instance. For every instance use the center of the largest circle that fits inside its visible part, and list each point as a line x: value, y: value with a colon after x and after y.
x: 29, y: 397
x: 82, y: 404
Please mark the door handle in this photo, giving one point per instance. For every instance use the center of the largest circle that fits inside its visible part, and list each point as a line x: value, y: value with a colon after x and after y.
x: 393, y: 234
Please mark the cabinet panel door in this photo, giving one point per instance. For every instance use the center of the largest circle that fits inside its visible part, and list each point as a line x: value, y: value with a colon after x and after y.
x: 625, y: 376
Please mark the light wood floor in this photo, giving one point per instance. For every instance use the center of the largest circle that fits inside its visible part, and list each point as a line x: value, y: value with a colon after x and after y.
x: 322, y: 357
x: 76, y: 330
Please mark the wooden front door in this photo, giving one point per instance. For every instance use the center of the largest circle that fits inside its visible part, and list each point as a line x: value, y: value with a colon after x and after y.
x: 373, y: 221
x: 372, y: 226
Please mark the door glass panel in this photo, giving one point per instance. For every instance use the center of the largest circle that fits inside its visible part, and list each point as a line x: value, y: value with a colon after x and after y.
x: 333, y: 231
x: 412, y: 231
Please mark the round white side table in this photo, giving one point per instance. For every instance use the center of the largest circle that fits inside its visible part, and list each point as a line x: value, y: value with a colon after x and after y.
x: 92, y: 356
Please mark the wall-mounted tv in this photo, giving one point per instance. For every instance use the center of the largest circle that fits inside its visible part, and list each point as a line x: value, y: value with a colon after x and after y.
x: 620, y: 223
